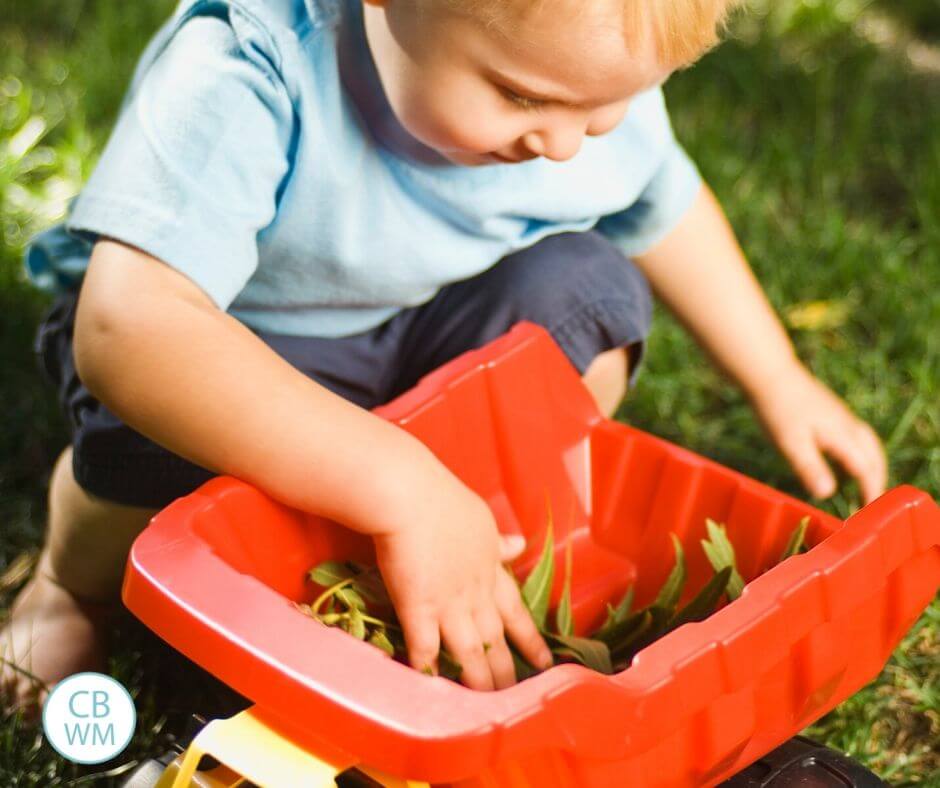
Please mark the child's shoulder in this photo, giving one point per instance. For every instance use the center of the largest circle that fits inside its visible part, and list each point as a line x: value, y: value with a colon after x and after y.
x: 299, y: 17
x: 263, y: 24
x: 275, y: 36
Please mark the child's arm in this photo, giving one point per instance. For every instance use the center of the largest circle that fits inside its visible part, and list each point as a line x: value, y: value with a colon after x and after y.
x: 157, y: 352
x: 699, y: 271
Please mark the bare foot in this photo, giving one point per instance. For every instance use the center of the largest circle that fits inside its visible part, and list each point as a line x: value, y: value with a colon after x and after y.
x: 50, y: 635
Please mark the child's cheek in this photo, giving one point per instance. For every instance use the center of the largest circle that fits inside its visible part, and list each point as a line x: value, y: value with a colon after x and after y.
x: 452, y: 120
x: 448, y: 113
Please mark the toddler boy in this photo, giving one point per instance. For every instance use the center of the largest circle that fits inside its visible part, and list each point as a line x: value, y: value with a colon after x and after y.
x: 306, y: 206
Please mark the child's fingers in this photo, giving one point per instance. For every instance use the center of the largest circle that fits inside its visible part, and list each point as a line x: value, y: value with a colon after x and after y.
x: 855, y: 452
x: 803, y: 454
x: 502, y: 668
x: 518, y: 623
x: 422, y: 639
x: 465, y: 643
x: 879, y: 461
x: 510, y: 547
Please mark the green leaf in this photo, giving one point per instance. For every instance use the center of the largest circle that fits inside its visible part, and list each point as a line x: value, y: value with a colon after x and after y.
x: 669, y: 594
x: 563, y: 652
x: 379, y: 639
x: 523, y: 669
x: 334, y: 576
x: 564, y: 622
x: 591, y: 653
x: 718, y: 535
x: 397, y: 639
x: 616, y: 634
x: 658, y: 625
x: 448, y: 667
x: 704, y: 603
x: 620, y: 613
x: 369, y: 584
x: 720, y: 553
x: 795, y: 543
x: 356, y: 626
x: 350, y: 598
x: 630, y: 632
x: 328, y: 573
x: 538, y: 585
x: 613, y: 628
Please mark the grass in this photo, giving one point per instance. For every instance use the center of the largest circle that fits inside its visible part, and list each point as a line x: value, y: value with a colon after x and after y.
x: 821, y: 143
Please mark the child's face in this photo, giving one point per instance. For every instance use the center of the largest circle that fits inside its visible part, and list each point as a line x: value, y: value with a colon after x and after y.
x: 456, y: 86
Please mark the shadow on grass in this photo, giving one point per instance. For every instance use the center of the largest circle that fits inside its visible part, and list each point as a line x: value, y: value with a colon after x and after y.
x: 32, y: 432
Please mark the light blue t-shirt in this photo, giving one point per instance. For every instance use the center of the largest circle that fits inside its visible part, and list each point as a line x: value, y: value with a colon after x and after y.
x: 257, y: 154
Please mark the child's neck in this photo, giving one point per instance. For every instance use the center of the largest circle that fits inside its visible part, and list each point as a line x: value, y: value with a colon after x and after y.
x: 360, y: 78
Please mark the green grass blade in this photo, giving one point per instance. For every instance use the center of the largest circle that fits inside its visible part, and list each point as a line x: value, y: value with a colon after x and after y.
x: 537, y: 588
x: 564, y: 623
x: 795, y: 543
x: 591, y: 653
x: 720, y: 553
x: 704, y: 603
x: 623, y: 645
x: 654, y: 626
x: 618, y: 635
x: 671, y: 591
x: 718, y: 535
x: 616, y: 615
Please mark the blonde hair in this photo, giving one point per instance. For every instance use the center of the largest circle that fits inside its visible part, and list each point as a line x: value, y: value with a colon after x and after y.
x: 682, y: 30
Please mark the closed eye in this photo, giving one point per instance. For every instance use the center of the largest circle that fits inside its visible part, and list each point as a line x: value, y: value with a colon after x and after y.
x: 522, y: 101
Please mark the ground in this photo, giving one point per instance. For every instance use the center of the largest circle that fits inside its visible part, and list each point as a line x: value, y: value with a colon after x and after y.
x: 816, y: 125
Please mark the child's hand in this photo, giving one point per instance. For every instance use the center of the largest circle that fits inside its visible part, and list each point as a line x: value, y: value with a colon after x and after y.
x: 805, y: 418
x: 442, y: 567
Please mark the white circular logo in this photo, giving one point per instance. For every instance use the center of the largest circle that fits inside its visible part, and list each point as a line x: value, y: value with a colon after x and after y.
x: 89, y: 718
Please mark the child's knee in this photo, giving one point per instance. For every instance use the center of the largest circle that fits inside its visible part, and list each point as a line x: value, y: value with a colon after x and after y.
x: 606, y: 377
x: 88, y: 537
x: 589, y: 296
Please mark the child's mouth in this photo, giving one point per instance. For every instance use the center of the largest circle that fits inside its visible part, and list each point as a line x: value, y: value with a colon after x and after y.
x: 498, y: 157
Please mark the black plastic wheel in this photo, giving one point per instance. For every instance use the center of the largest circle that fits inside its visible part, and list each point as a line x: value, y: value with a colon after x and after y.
x: 803, y: 763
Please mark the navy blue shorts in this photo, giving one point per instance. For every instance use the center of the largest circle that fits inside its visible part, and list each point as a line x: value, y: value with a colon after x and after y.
x: 579, y: 286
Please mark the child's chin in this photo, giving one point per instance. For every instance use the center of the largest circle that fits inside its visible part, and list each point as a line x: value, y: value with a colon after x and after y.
x: 469, y: 158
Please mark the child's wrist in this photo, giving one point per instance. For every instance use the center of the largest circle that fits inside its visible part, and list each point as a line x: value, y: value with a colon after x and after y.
x: 394, y: 482
x: 770, y: 377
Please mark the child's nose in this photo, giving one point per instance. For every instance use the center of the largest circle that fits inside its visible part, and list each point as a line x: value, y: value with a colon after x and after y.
x: 558, y: 144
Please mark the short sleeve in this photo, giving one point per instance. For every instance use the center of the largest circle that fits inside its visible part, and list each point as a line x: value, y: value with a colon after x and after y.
x: 193, y: 168
x: 665, y: 199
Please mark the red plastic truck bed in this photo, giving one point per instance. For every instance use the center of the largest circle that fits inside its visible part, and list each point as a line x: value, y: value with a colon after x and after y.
x: 217, y: 572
